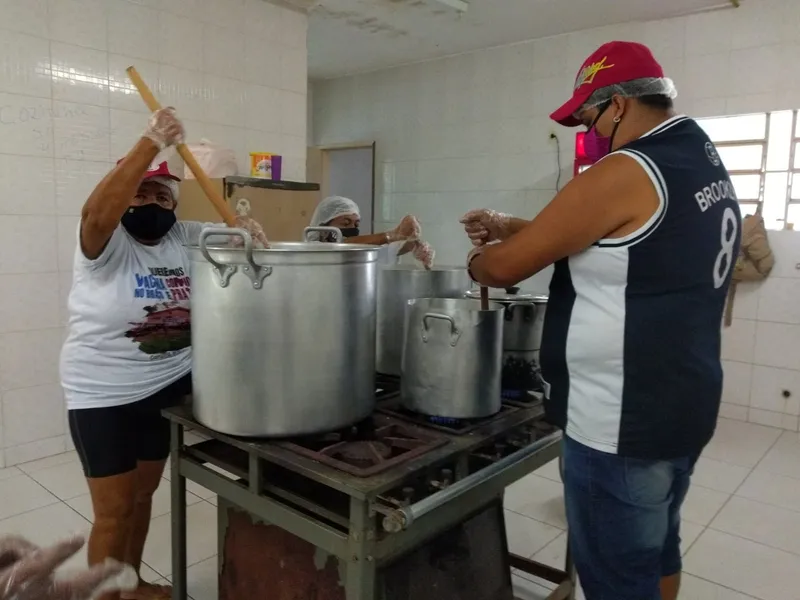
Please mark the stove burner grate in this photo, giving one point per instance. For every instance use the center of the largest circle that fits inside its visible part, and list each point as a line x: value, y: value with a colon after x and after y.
x: 368, y: 448
x: 446, y: 421
x: 449, y: 425
x: 363, y: 453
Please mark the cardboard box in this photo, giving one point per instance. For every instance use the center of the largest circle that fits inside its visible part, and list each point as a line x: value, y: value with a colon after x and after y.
x: 283, y: 208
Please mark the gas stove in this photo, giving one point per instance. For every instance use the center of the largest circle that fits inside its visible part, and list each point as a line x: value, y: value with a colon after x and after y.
x: 398, y: 500
x: 368, y: 448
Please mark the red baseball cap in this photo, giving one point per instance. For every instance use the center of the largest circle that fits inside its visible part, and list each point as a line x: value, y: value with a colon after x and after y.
x: 159, y: 170
x: 614, y: 62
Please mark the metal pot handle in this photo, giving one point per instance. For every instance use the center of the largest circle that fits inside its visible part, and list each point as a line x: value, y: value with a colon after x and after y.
x: 254, y: 272
x: 455, y: 333
x: 337, y: 233
x: 510, y: 309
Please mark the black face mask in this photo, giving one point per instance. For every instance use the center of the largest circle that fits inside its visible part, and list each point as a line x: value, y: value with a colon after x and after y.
x: 349, y: 231
x: 150, y: 222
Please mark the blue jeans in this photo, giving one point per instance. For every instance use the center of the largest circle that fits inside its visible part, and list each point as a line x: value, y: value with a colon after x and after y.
x: 624, y: 520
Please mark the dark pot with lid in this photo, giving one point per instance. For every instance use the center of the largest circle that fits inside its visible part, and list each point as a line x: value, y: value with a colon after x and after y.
x: 523, y: 322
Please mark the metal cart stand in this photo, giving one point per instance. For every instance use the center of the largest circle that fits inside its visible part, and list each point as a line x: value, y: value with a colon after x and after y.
x: 367, y: 532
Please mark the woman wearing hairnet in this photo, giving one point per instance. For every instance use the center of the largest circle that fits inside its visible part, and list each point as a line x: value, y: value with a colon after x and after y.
x: 644, y: 243
x: 128, y: 350
x: 344, y: 214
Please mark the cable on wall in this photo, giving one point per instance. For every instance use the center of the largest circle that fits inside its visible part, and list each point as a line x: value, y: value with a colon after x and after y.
x: 553, y: 136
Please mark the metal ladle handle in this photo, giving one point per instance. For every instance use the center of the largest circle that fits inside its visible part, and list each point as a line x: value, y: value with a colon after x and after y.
x: 254, y: 272
x: 337, y: 233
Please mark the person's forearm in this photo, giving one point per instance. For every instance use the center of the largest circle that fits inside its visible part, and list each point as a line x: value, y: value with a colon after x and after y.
x: 370, y: 239
x: 109, y: 199
x: 482, y: 271
x: 517, y: 224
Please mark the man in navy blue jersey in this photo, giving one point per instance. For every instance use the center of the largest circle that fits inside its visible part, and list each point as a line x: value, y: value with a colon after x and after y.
x: 644, y: 243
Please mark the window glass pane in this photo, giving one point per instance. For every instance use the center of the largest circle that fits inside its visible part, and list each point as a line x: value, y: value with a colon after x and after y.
x: 730, y: 129
x: 780, y: 140
x: 748, y: 209
x: 741, y: 158
x: 793, y: 216
x: 748, y: 187
x: 797, y: 153
x: 797, y: 128
x: 775, y: 185
x: 796, y: 187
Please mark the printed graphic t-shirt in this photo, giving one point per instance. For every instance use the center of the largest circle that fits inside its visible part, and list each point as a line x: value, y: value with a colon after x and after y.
x: 129, y: 328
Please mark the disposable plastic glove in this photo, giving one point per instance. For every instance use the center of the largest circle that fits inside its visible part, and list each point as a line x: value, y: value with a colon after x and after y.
x: 408, y: 229
x: 164, y: 128
x: 244, y: 221
x: 27, y: 572
x: 484, y: 225
x: 425, y: 254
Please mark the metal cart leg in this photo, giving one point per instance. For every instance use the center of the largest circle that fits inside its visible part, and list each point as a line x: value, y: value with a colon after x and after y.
x: 569, y: 569
x: 178, y: 489
x: 361, y: 569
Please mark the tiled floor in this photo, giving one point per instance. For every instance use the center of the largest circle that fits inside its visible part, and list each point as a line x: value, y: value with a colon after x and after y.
x: 741, y: 524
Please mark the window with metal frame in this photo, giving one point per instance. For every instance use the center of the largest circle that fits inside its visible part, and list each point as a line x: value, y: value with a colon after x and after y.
x: 761, y: 154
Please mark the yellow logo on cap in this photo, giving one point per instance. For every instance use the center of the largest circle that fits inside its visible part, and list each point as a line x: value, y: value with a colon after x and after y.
x: 588, y: 72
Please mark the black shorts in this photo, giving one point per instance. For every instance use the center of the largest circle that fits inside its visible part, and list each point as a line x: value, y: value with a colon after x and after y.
x: 111, y: 440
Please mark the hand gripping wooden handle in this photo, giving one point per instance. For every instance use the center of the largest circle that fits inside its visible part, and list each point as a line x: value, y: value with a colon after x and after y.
x: 205, y: 183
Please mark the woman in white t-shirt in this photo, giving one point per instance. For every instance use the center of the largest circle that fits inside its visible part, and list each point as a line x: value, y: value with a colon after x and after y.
x: 128, y: 351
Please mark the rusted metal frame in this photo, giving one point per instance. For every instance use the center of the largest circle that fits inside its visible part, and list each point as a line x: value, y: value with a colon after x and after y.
x: 361, y: 568
x: 321, y: 535
x: 178, y: 519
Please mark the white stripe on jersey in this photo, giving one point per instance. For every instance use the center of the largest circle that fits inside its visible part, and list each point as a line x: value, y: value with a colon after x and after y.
x: 655, y: 219
x: 596, y: 336
x: 595, y: 347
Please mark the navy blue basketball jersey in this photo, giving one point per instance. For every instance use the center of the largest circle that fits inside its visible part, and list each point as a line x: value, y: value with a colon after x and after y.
x: 631, y: 344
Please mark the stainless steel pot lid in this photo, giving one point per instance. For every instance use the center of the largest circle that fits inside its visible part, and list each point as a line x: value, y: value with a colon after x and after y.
x: 508, y: 295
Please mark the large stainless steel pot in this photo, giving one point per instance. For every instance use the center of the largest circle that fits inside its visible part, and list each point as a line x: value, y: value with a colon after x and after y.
x: 452, y: 358
x: 284, y: 338
x: 522, y: 339
x: 397, y: 284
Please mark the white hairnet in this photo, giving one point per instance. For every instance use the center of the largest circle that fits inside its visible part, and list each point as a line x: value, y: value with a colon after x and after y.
x: 636, y: 88
x: 332, y: 207
x: 168, y: 183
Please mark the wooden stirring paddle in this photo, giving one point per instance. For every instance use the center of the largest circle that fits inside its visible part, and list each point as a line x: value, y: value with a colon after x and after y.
x: 205, y: 183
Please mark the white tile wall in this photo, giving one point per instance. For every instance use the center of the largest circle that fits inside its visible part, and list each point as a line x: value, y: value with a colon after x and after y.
x: 234, y: 69
x: 478, y: 121
x: 472, y: 130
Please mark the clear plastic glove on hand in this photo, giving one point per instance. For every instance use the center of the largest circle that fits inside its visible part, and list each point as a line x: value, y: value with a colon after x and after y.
x: 408, y: 229
x: 250, y: 225
x: 425, y: 254
x: 27, y: 572
x: 164, y: 128
x: 484, y: 225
